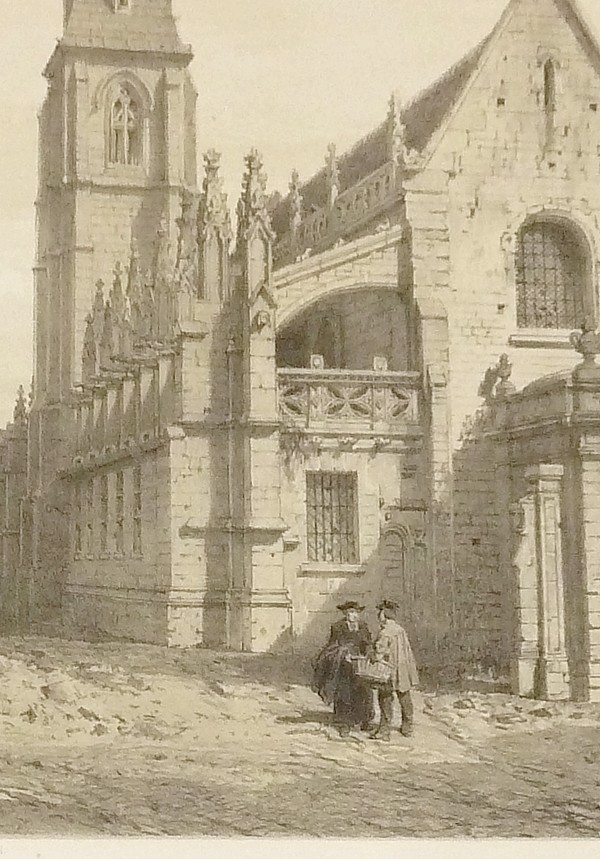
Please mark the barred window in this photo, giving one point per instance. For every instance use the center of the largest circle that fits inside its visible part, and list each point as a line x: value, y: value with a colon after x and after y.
x: 119, y: 513
x: 137, y: 510
x: 332, y: 517
x: 552, y: 273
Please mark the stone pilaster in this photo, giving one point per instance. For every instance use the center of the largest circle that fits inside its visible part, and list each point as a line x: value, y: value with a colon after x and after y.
x: 260, y: 604
x: 525, y: 654
x: 541, y: 607
x: 589, y: 449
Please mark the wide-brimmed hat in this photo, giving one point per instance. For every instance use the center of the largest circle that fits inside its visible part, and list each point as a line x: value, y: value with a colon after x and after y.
x: 388, y: 605
x: 351, y: 604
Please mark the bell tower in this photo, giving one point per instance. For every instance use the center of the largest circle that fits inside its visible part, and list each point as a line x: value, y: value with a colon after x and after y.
x: 117, y: 142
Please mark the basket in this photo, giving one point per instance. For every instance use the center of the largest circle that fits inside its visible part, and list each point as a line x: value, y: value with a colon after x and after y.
x: 372, y: 672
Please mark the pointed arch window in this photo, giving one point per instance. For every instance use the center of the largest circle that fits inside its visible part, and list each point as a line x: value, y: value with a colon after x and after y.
x: 125, y: 141
x: 553, y: 273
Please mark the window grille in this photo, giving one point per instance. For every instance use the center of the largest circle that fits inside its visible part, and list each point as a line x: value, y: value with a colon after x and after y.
x: 332, y: 517
x: 551, y: 269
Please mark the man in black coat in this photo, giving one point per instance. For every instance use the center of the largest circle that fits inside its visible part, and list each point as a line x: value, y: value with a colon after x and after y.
x: 334, y: 679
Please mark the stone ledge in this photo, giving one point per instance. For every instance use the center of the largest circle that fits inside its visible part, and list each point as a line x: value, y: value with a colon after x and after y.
x: 335, y: 571
x: 541, y: 339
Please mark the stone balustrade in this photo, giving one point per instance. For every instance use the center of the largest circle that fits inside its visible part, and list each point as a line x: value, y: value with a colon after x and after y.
x: 340, y: 400
x: 320, y: 229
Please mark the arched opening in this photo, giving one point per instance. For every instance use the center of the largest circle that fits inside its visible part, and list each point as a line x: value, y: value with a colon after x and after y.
x: 553, y: 275
x: 349, y: 330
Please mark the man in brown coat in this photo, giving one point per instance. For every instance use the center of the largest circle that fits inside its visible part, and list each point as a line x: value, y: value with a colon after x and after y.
x: 392, y: 646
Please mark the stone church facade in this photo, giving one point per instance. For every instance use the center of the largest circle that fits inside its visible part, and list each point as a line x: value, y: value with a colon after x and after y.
x: 369, y: 387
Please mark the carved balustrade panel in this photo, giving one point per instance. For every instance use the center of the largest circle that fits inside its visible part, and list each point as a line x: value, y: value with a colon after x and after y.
x: 340, y: 398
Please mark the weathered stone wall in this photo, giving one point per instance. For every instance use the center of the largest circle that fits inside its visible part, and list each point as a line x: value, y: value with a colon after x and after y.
x: 119, y: 585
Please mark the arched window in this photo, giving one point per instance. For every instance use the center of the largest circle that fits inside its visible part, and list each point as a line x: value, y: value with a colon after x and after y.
x: 125, y: 142
x: 552, y: 272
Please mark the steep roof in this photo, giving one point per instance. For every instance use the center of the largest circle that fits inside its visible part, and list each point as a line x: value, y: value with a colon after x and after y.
x: 423, y: 116
x: 149, y: 25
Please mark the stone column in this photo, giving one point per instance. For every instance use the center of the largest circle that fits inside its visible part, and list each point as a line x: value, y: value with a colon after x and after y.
x: 260, y: 605
x: 524, y: 667
x: 541, y: 596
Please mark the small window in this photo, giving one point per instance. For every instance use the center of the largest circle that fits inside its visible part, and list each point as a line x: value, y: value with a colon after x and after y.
x: 119, y: 513
x: 103, y: 514
x: 78, y: 516
x: 549, y: 87
x: 89, y: 512
x: 122, y: 5
x: 137, y: 510
x: 125, y: 136
x: 552, y: 271
x: 332, y: 517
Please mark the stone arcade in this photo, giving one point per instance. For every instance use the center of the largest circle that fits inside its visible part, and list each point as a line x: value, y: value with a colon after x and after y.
x: 226, y: 438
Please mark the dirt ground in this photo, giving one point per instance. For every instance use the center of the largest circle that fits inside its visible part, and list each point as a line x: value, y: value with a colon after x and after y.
x: 123, y: 740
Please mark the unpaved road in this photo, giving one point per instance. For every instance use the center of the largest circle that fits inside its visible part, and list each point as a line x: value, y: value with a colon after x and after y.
x: 114, y: 740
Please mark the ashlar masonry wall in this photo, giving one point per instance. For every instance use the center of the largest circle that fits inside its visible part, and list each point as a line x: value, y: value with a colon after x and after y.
x: 493, y: 165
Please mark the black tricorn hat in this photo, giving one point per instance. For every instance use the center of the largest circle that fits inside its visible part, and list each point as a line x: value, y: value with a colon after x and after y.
x: 388, y: 605
x: 351, y: 604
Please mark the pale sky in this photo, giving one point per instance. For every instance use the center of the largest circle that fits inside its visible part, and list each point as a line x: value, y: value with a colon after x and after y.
x: 287, y: 76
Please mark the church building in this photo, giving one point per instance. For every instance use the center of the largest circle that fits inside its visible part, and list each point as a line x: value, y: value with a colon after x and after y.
x: 382, y: 384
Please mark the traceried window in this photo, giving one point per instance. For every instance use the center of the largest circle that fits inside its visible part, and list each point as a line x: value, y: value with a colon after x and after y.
x: 125, y: 143
x: 332, y: 517
x: 552, y: 272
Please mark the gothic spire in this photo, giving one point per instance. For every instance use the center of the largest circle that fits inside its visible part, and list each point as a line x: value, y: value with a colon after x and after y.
x: 89, y: 361
x: 107, y: 342
x: 20, y: 412
x: 213, y: 210
x: 252, y: 206
x: 296, y: 202
x: 396, y: 131
x: 333, y: 176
